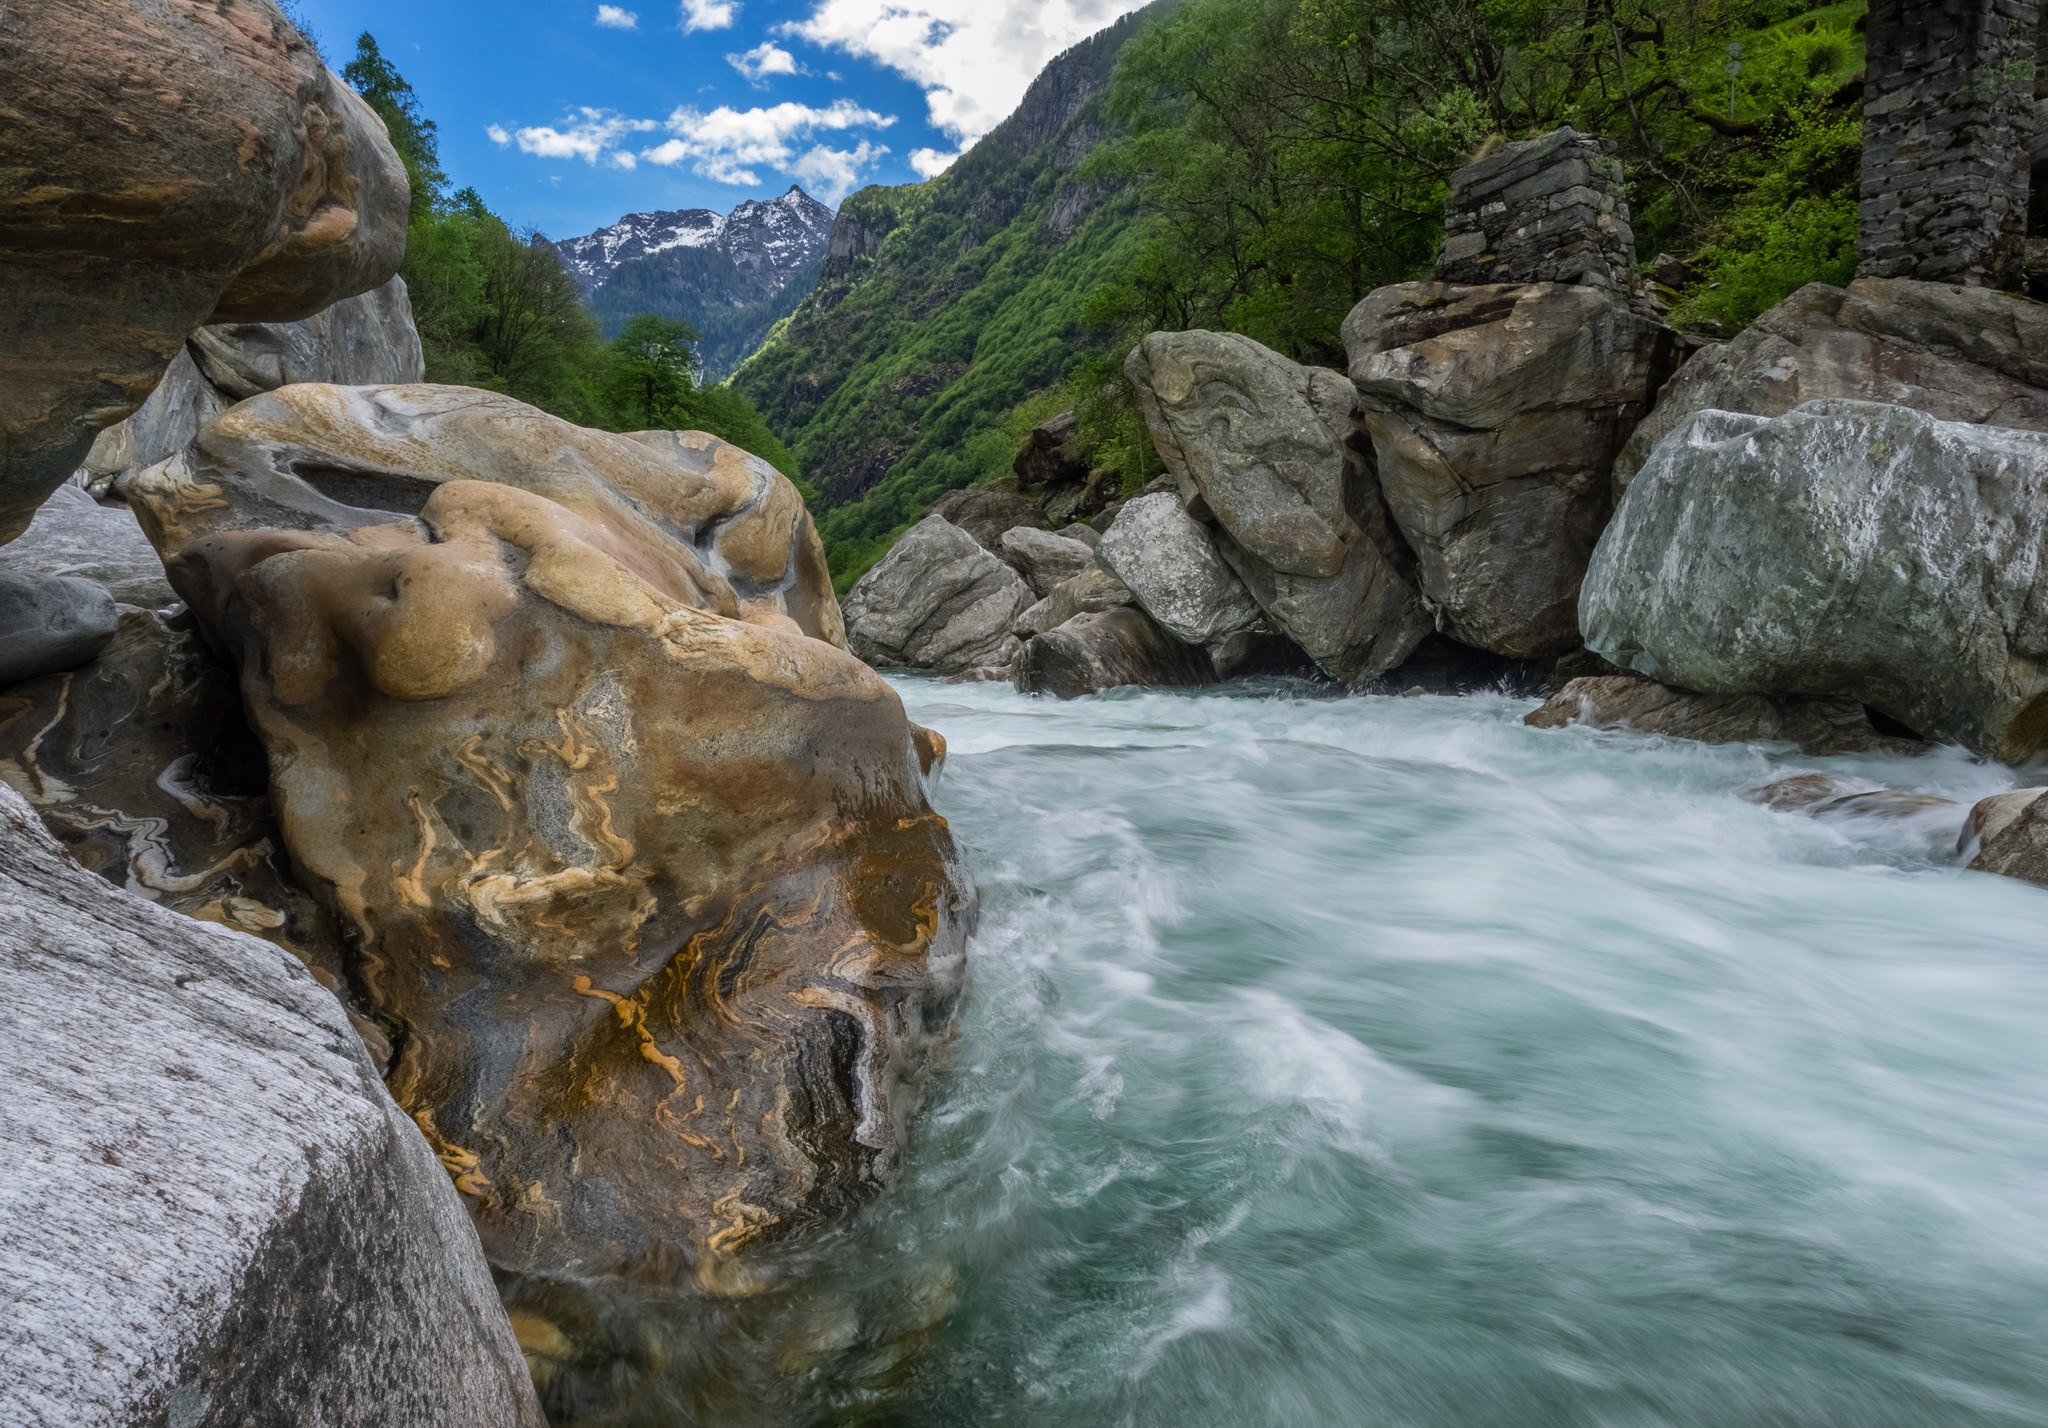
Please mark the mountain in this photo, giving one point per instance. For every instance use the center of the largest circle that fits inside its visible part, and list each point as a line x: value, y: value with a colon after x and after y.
x: 943, y: 305
x: 730, y: 276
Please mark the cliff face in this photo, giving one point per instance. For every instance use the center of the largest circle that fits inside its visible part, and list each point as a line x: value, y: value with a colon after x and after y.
x: 942, y: 305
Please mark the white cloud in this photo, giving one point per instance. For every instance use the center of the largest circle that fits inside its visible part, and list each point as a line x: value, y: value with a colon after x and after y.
x: 588, y: 135
x: 973, y: 58
x: 930, y: 163
x: 731, y: 145
x: 763, y: 60
x: 708, y: 15
x: 614, y: 18
x: 498, y: 135
x: 831, y: 174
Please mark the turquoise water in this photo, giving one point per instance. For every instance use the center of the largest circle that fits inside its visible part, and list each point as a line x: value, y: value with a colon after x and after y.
x: 1370, y: 1061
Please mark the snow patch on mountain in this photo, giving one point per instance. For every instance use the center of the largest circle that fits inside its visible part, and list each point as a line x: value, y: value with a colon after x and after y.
x: 773, y: 239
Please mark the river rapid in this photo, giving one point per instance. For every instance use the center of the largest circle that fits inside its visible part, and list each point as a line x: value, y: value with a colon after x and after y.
x: 1377, y: 1061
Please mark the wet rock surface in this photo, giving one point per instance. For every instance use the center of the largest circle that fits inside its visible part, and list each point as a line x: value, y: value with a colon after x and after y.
x: 1093, y: 652
x: 2011, y: 834
x: 636, y: 862
x: 939, y: 600
x: 1818, y: 726
x: 224, y: 1214
x: 51, y: 623
x: 1845, y: 550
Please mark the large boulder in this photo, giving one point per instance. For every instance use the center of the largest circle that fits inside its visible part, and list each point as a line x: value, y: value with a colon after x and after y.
x: 1957, y: 353
x: 939, y: 601
x: 1269, y: 448
x: 74, y: 535
x: 1091, y: 592
x: 51, y: 623
x: 1168, y: 561
x: 169, y: 166
x: 1496, y: 414
x: 213, y: 1214
x: 634, y: 862
x: 1819, y: 727
x: 361, y: 341
x: 986, y: 514
x: 2011, y: 835
x: 1104, y: 651
x: 1044, y: 559
x: 1844, y: 550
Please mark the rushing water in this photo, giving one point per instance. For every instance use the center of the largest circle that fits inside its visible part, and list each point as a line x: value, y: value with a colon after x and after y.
x: 1373, y: 1061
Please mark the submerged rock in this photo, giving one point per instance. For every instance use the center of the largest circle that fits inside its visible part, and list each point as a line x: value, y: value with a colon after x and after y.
x: 939, y: 601
x: 1168, y: 561
x: 1818, y: 726
x: 1268, y: 447
x: 1496, y: 414
x: 1103, y: 651
x: 637, y: 864
x: 1826, y: 797
x: 1844, y: 550
x: 218, y: 1216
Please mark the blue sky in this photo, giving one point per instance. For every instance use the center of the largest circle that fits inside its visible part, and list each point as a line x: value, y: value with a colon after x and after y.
x: 566, y: 115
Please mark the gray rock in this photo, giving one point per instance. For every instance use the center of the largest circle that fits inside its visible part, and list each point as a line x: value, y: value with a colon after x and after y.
x: 1086, y: 534
x: 1102, y: 651
x: 1044, y: 559
x: 1547, y: 210
x: 75, y: 535
x: 1843, y: 550
x: 1089, y: 593
x: 1168, y: 560
x: 1818, y: 726
x: 1496, y: 414
x: 1956, y: 353
x: 1828, y: 798
x: 939, y: 601
x: 1269, y: 447
x: 164, y: 425
x: 2011, y: 834
x: 217, y: 1216
x: 986, y: 514
x: 49, y: 624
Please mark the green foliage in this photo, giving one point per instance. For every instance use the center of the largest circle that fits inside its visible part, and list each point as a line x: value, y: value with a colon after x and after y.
x: 729, y: 307
x: 413, y: 134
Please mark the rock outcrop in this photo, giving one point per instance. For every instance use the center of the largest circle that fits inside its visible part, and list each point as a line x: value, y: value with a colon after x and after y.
x: 1094, y: 652
x: 939, y: 601
x: 1956, y: 353
x: 1268, y: 448
x: 1168, y: 561
x: 1818, y: 726
x: 635, y: 862
x: 1844, y: 550
x: 218, y: 1216
x: 988, y: 515
x: 174, y: 166
x: 2011, y: 834
x: 1496, y: 414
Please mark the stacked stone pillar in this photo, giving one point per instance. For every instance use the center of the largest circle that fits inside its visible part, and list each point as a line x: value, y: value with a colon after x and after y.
x: 1547, y: 210
x: 1948, y: 130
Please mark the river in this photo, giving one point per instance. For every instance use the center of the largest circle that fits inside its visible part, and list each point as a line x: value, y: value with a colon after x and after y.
x: 1375, y: 1061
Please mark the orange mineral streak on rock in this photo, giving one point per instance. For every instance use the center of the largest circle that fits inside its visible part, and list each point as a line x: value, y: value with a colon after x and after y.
x: 635, y: 858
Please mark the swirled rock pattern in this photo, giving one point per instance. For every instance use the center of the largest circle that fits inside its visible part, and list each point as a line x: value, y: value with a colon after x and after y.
x: 212, y: 1212
x: 636, y: 858
x: 169, y: 164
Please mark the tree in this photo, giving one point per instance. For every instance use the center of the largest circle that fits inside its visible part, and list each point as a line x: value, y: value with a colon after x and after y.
x: 653, y: 372
x: 416, y: 137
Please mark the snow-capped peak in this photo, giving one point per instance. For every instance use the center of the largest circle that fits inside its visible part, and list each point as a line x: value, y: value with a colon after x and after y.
x: 774, y: 237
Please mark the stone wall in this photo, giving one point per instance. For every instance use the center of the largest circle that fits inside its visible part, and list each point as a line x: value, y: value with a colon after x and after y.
x: 1546, y: 210
x: 1948, y: 129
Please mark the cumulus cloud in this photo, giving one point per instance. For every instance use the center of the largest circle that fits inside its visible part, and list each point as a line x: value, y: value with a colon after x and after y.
x: 973, y: 58
x: 831, y: 174
x: 730, y: 145
x: 614, y: 18
x: 930, y: 163
x: 499, y: 135
x: 708, y: 15
x: 590, y: 134
x: 763, y: 60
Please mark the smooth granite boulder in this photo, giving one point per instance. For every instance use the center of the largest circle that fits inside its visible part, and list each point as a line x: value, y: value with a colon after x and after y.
x: 1103, y: 651
x: 170, y: 165
x: 987, y: 515
x: 1844, y: 550
x: 939, y: 601
x: 635, y: 863
x: 2010, y: 831
x: 1270, y: 450
x: 1168, y: 561
x: 212, y: 1213
x: 1818, y: 726
x: 75, y: 535
x: 1091, y: 592
x: 1044, y: 559
x: 1495, y: 414
x: 51, y: 623
x: 1957, y: 353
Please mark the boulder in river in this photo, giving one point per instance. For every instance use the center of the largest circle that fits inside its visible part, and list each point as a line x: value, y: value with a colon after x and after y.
x: 1168, y: 561
x: 1090, y: 593
x: 939, y: 601
x: 1964, y: 354
x: 178, y: 165
x: 1270, y: 449
x: 1045, y: 559
x: 634, y: 860
x: 2011, y: 834
x: 1845, y: 550
x: 1094, y: 652
x: 1495, y: 414
x: 212, y: 1211
x: 1818, y: 726
x: 51, y: 623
